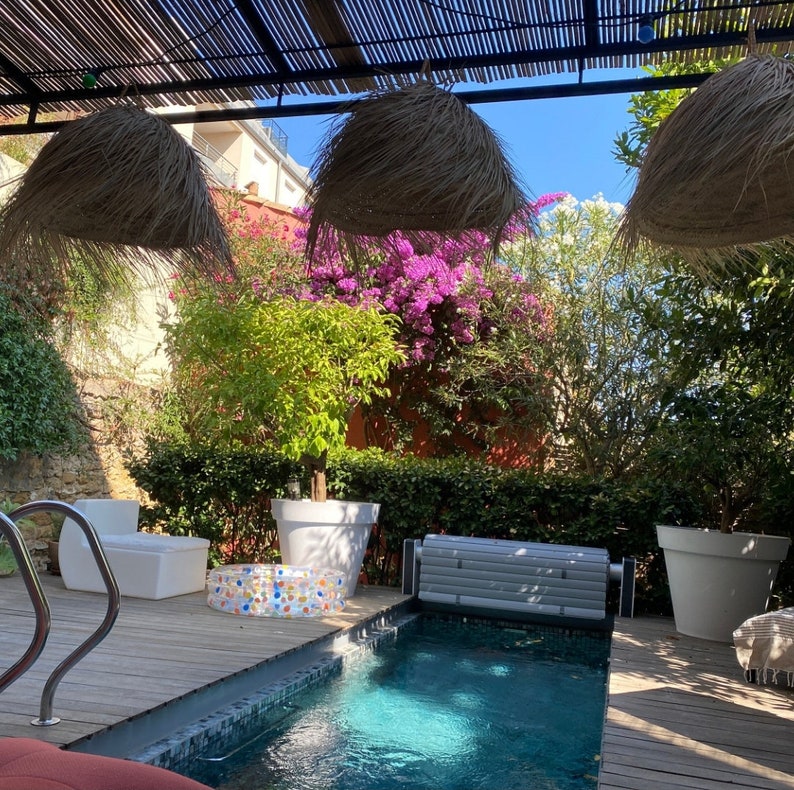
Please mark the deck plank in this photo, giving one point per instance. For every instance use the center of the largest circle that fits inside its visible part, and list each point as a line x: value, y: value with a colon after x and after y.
x: 680, y: 715
x: 158, y: 651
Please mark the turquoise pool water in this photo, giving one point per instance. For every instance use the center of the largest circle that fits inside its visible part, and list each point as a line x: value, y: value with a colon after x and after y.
x: 445, y: 705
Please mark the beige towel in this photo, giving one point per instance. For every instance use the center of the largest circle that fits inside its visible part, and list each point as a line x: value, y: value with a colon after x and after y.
x: 766, y: 644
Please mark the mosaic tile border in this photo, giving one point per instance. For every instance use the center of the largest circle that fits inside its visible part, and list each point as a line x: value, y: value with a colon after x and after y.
x: 183, y: 748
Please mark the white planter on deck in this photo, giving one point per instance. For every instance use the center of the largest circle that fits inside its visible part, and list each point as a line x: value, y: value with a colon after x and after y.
x: 332, y: 534
x: 718, y: 580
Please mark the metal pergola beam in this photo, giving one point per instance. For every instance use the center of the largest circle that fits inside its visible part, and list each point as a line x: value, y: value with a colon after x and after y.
x: 634, y: 85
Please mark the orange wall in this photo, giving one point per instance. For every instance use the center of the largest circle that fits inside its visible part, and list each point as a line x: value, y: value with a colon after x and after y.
x: 259, y: 208
x: 515, y: 447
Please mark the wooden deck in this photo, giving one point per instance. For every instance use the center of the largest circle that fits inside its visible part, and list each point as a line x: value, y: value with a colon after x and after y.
x: 148, y: 670
x: 679, y: 713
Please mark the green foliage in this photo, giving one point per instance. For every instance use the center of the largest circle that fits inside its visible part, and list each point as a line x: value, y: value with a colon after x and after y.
x: 285, y: 370
x: 729, y: 429
x: 650, y: 108
x: 89, y: 314
x: 8, y: 562
x: 475, y: 389
x: 23, y: 147
x: 726, y: 422
x: 39, y: 406
x: 223, y: 495
x: 465, y: 497
x: 605, y: 382
x: 261, y: 249
x: 8, y: 507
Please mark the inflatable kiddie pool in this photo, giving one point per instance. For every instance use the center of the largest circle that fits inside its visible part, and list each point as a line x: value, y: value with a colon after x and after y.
x: 276, y: 590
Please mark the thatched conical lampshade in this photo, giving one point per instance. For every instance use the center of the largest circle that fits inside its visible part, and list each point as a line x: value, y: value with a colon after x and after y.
x: 717, y: 178
x: 415, y: 159
x: 118, y: 188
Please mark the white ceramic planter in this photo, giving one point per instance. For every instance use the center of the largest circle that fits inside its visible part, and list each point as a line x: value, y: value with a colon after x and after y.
x: 719, y: 580
x: 332, y: 534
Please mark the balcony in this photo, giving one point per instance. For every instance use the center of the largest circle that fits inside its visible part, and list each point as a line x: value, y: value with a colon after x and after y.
x: 276, y: 134
x: 220, y: 168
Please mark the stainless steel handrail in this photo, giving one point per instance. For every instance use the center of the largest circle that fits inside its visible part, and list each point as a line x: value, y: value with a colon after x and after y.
x: 40, y: 605
x: 46, y: 718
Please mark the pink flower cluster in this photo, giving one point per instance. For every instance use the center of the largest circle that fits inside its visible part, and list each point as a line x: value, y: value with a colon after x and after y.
x: 437, y: 286
x: 425, y: 288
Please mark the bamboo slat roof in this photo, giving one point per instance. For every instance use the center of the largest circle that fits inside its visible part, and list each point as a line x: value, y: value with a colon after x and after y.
x: 199, y: 52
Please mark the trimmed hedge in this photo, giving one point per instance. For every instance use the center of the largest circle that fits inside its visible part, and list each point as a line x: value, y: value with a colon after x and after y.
x: 464, y: 497
x: 223, y: 495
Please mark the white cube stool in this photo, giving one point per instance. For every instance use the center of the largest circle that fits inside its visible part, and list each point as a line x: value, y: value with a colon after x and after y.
x: 145, y: 565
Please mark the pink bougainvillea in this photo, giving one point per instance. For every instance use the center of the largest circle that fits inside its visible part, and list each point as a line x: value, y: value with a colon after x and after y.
x: 439, y: 287
x: 446, y: 291
x: 471, y: 327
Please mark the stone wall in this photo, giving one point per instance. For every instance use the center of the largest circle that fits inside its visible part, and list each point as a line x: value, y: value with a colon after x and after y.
x: 96, y: 472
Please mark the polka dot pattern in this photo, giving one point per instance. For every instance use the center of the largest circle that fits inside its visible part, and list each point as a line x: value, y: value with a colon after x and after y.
x: 277, y: 590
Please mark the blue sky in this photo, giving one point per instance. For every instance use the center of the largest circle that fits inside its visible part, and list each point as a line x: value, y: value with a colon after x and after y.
x: 556, y: 145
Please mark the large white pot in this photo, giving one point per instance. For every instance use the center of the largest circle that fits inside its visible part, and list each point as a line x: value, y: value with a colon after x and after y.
x: 719, y: 580
x: 332, y: 534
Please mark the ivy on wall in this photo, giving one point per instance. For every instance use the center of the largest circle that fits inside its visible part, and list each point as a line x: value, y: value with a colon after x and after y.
x: 39, y: 407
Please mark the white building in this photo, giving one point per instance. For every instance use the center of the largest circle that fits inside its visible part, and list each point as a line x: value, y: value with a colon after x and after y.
x: 238, y: 153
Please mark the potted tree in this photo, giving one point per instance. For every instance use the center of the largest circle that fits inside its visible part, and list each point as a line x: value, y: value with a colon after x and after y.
x: 725, y: 440
x: 290, y: 371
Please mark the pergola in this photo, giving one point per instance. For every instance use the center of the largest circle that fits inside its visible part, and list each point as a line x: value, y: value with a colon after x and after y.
x: 60, y: 59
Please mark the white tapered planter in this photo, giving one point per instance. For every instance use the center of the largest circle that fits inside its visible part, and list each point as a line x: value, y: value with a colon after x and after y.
x: 718, y: 580
x: 332, y: 534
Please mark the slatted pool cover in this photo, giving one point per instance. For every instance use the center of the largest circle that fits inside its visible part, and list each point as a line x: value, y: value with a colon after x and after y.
x: 535, y: 578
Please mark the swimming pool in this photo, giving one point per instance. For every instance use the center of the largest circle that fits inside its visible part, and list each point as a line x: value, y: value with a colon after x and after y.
x: 447, y: 703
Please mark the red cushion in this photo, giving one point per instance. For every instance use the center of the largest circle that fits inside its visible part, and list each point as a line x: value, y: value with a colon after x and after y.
x: 28, y: 764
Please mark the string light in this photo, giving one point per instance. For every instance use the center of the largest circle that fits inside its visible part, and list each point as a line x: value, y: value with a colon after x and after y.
x: 90, y: 78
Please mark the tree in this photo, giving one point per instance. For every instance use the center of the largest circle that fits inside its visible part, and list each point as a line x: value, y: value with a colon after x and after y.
x: 606, y: 381
x: 728, y: 428
x: 281, y: 370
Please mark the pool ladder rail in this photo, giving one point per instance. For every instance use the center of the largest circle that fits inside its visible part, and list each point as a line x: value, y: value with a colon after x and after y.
x: 10, y: 531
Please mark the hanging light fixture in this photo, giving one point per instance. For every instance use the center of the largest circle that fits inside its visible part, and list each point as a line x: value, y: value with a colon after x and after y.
x: 415, y: 159
x: 119, y: 186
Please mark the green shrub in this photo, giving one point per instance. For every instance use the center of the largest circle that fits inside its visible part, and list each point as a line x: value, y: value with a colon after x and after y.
x: 221, y: 495
x: 465, y: 497
x: 39, y: 407
x: 224, y: 496
x: 288, y: 370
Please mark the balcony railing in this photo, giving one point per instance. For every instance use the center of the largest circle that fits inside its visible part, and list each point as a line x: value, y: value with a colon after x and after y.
x: 276, y: 134
x: 215, y: 162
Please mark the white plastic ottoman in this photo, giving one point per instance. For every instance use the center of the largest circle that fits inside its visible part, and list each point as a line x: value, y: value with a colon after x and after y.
x: 145, y: 565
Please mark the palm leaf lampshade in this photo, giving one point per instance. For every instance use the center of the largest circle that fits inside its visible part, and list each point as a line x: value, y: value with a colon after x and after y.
x: 415, y: 159
x: 117, y: 189
x: 717, y: 178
